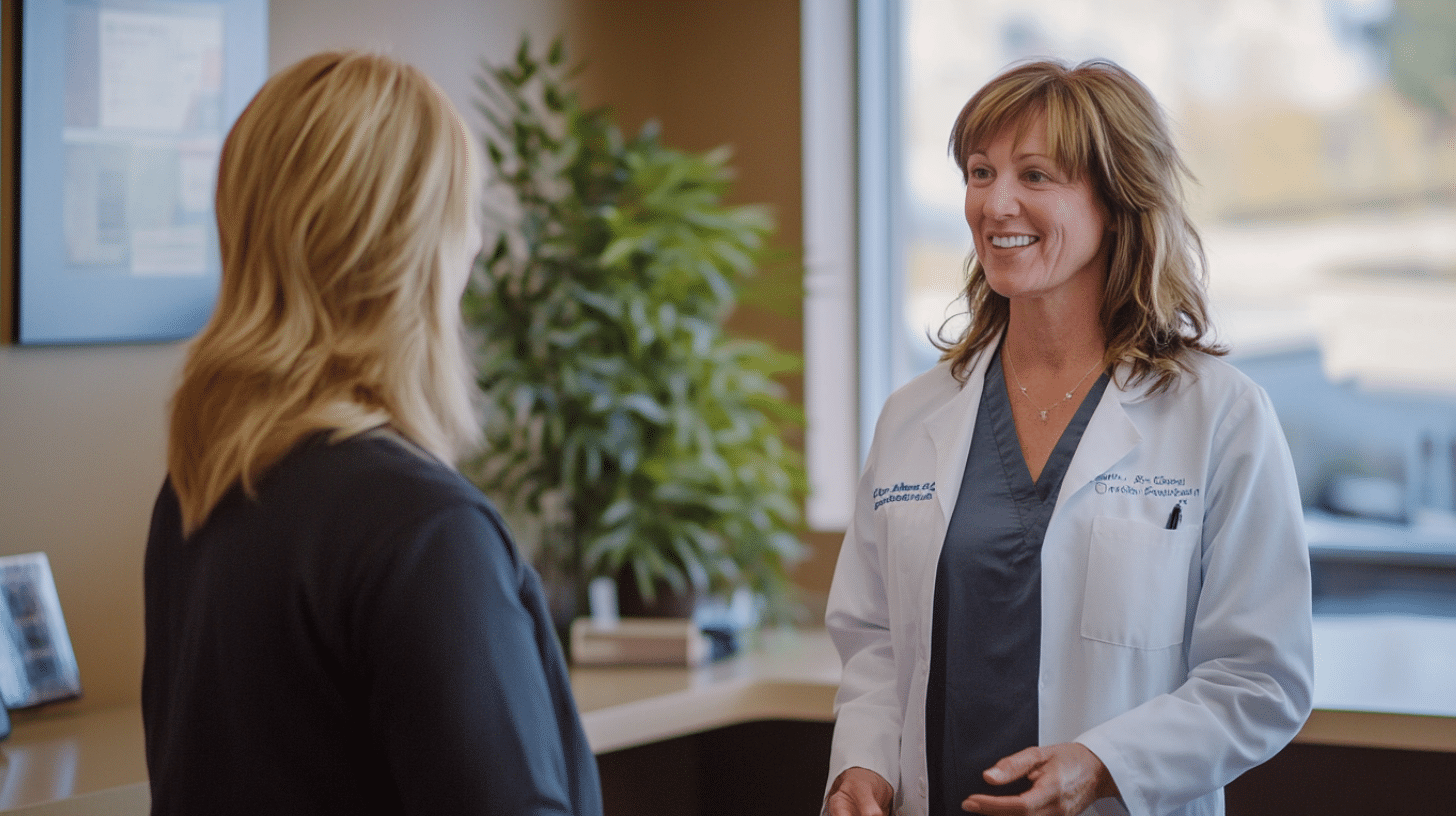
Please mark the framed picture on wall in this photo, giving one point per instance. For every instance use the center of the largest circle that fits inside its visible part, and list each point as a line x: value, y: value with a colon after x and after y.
x: 123, y: 107
x: 37, y: 664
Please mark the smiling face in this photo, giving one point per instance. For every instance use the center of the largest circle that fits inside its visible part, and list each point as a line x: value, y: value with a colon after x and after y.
x: 1039, y: 229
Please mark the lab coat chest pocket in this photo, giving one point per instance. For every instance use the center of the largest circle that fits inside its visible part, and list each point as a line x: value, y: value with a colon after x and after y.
x: 1137, y: 583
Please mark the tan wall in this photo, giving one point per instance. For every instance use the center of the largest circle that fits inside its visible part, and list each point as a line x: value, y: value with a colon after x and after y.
x: 716, y: 72
x: 82, y: 429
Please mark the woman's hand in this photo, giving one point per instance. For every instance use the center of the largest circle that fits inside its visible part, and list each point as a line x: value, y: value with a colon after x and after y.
x: 1065, y: 780
x: 860, y: 792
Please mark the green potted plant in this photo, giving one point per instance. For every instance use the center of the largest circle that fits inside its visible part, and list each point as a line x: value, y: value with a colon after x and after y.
x: 644, y: 439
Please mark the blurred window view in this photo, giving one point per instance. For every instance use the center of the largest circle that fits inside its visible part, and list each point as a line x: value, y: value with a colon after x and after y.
x: 1322, y: 137
x: 1320, y: 133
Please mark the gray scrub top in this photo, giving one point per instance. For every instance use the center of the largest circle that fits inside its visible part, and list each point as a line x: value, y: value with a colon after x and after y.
x: 981, y: 703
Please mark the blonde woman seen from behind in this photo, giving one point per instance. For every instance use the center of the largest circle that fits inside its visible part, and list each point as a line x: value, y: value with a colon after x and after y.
x: 336, y: 620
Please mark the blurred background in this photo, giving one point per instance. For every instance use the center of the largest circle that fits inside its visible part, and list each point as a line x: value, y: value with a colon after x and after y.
x: 1322, y: 137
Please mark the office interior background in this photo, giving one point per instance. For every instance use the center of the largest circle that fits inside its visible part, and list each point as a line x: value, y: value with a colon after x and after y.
x: 1327, y: 194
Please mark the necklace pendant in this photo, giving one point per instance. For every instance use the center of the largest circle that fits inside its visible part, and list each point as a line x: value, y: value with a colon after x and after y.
x: 1042, y: 412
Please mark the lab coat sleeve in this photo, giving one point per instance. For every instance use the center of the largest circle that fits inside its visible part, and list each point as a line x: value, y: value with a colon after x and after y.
x: 1249, y: 653
x: 868, y: 708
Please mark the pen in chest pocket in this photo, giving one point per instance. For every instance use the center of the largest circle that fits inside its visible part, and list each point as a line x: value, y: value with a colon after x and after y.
x: 1174, y: 516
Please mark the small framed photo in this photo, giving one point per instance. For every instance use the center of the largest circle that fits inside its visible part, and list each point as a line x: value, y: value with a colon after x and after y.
x: 37, y: 665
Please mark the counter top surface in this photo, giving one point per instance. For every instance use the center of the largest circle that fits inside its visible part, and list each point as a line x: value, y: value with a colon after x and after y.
x: 1381, y: 681
x: 781, y: 675
x: 53, y: 760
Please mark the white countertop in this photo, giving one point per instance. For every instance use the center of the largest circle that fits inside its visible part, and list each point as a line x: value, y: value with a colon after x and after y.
x: 1384, y: 681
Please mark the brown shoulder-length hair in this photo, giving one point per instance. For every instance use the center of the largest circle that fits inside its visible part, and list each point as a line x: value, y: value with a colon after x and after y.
x: 1104, y: 125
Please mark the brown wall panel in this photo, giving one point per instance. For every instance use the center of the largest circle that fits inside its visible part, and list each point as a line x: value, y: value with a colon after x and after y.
x: 715, y: 72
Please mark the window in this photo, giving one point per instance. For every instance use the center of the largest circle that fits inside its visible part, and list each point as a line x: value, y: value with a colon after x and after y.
x: 1322, y: 134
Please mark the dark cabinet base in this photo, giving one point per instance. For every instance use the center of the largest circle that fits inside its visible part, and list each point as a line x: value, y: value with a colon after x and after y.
x: 1334, y: 780
x: 778, y: 769
x: 761, y: 768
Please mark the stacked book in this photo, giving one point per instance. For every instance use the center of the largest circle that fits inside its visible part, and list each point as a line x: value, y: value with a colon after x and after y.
x: 640, y: 642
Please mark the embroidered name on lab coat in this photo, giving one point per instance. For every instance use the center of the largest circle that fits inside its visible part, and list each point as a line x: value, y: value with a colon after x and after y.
x: 903, y: 492
x: 1175, y: 487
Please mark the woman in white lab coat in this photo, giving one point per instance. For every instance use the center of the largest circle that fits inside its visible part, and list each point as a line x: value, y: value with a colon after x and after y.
x: 1076, y: 580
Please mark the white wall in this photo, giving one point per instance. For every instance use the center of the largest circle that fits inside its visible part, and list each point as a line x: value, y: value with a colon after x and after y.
x: 82, y: 429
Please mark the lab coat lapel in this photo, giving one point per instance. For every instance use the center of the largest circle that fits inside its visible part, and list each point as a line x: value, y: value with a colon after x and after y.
x: 950, y: 434
x: 1110, y: 435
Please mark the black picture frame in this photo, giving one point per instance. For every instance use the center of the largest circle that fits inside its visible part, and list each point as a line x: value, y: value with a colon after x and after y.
x: 37, y: 663
x: 122, y: 109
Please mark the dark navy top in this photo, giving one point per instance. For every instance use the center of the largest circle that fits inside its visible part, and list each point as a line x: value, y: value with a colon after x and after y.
x: 361, y: 638
x: 981, y: 702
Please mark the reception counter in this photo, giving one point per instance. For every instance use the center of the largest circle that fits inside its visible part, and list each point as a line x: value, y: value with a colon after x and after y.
x: 1384, y: 684
x: 65, y: 763
x: 784, y: 675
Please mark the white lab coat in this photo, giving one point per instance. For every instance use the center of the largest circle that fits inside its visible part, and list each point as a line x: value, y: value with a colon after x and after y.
x: 1181, y: 658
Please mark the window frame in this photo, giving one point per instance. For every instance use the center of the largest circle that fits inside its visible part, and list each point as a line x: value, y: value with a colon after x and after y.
x: 853, y: 223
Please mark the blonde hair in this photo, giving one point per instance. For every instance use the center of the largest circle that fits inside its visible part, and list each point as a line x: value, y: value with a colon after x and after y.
x: 1104, y: 125
x: 344, y: 198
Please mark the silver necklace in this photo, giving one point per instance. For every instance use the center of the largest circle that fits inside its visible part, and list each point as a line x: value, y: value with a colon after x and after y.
x: 1040, y: 410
